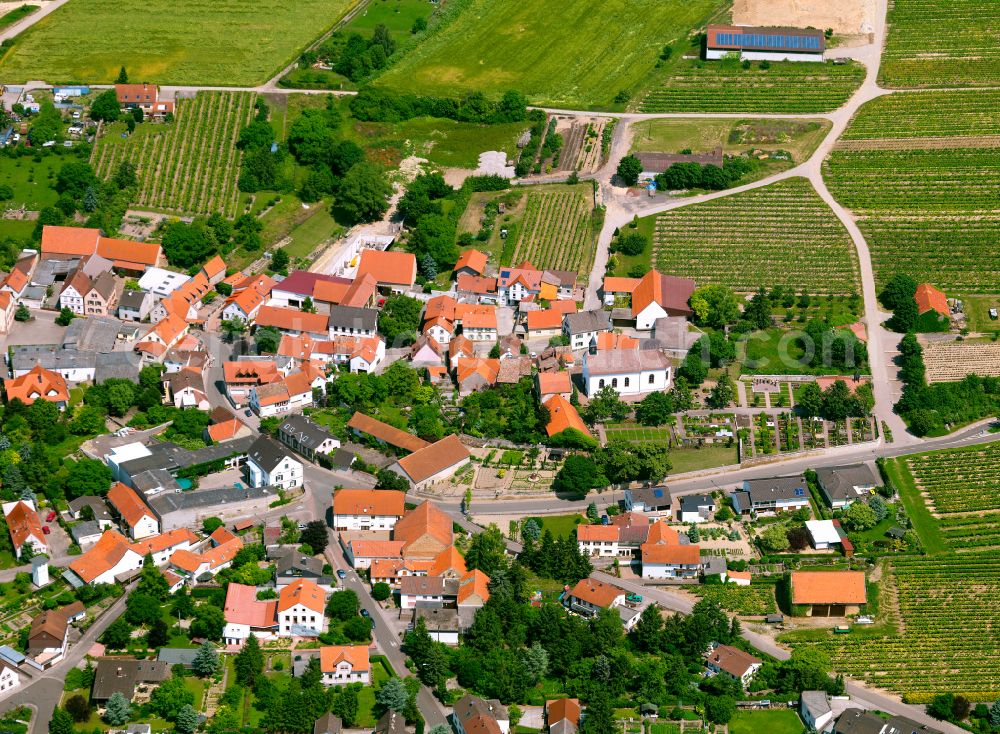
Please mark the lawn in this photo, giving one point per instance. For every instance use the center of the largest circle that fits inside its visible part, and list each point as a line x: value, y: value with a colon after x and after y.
x: 559, y: 525
x: 19, y: 230
x: 182, y: 42
x: 777, y: 352
x: 580, y: 56
x: 32, y: 181
x: 775, y: 721
x: 706, y: 457
x: 977, y: 311
x: 396, y: 15
x: 923, y: 522
x: 18, y: 13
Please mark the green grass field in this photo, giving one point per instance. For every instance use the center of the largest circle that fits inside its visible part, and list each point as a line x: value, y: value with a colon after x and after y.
x: 775, y: 721
x: 185, y: 42
x: 32, y: 182
x: 18, y: 13
x: 941, y: 43
x: 776, y: 352
x: 396, y: 15
x: 559, y: 525
x: 756, y: 239
x: 706, y: 457
x: 579, y: 55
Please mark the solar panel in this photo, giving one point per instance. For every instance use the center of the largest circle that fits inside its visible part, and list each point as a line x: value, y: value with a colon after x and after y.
x: 657, y: 492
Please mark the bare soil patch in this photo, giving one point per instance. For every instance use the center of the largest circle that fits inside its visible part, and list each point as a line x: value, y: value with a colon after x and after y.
x: 845, y: 17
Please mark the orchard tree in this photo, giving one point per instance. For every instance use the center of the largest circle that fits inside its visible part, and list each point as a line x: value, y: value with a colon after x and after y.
x: 364, y: 193
x: 629, y: 169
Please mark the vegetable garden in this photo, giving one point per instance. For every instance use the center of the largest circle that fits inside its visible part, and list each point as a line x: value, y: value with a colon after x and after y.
x: 782, y: 234
x: 558, y: 230
x: 941, y: 43
x: 189, y: 166
x: 754, y: 600
x: 934, y: 211
x: 727, y: 87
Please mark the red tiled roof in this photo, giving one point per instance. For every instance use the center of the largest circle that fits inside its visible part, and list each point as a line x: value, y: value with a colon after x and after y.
x: 127, y: 251
x: 472, y: 259
x: 549, y: 318
x: 562, y: 415
x: 58, y: 240
x: 105, y: 554
x: 22, y: 522
x: 242, y: 607
x: 38, y: 383
x: 291, y: 319
x: 384, y: 432
x: 130, y: 506
x: 430, y: 460
x: 596, y: 592
x: 390, y: 268
x: 828, y: 587
x: 670, y: 292
x: 369, y: 502
x: 930, y: 298
x: 356, y: 655
x: 304, y: 592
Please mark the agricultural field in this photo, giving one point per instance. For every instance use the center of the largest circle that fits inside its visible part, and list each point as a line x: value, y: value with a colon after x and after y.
x: 705, y: 86
x: 960, y: 480
x: 952, y: 361
x: 946, y: 612
x: 759, y: 238
x: 396, y: 15
x: 748, y: 601
x: 798, y: 137
x: 920, y: 178
x: 189, y: 166
x: 185, y: 42
x: 579, y: 57
x: 444, y: 143
x: 557, y: 229
x: 941, y: 43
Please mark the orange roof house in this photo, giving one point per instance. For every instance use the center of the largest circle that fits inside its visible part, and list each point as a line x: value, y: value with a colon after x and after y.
x: 369, y: 502
x: 834, y: 588
x: 214, y: 269
x: 38, y: 384
x: 472, y: 262
x: 355, y: 655
x: 562, y: 709
x: 133, y: 511
x: 439, y: 460
x: 130, y: 255
x: 553, y: 383
x: 242, y: 608
x: 562, y: 416
x: 109, y: 550
x: 304, y: 592
x: 74, y: 241
x: 930, y: 298
x: 549, y: 319
x: 449, y: 563
x: 589, y: 595
x: 390, y: 269
x: 292, y: 320
x: 474, y: 589
x: 668, y: 292
x: 476, y: 373
x: 24, y: 526
x: 383, y: 432
x: 425, y: 531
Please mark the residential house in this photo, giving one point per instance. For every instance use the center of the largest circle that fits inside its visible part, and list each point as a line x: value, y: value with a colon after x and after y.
x: 133, y: 512
x: 245, y: 615
x: 135, y: 305
x: 242, y: 376
x: 301, y: 610
x: 269, y: 464
x: 543, y: 324
x: 244, y: 305
x: 48, y: 635
x: 367, y: 509
x: 474, y: 374
x: 815, y: 710
x: 24, y: 526
x: 842, y: 485
x: 10, y: 677
x: 293, y: 290
x: 562, y: 715
x: 460, y: 348
x: 470, y: 262
x: 473, y: 590
x: 665, y: 557
x: 186, y: 389
x: 86, y: 533
x: 294, y: 392
x: 162, y: 546
x: 90, y: 507
x: 563, y: 416
x: 628, y: 372
x: 124, y: 675
x: 473, y: 715
x: 823, y: 534
x: 649, y: 500
x: 425, y: 532
x: 432, y: 463
x: 214, y: 270
x: 64, y: 243
x: 589, y: 596
x: 8, y: 309
x: 291, y: 565
x: 930, y: 299
x: 443, y: 625
x: 733, y: 663
x: 91, y: 289
x: 160, y: 282
x: 426, y: 352
x: 344, y: 664
x: 772, y: 496
x: 390, y: 723
x: 396, y: 271
x: 358, y: 293
x: 695, y: 508
x: 38, y: 384
x: 292, y: 322
x: 478, y: 323
x: 111, y: 556
x: 307, y: 438
x: 363, y: 425
x: 144, y: 96
x: 350, y: 321
x: 657, y: 295
x: 583, y: 327
x: 476, y: 289
x: 828, y: 593
x: 548, y: 384
x: 165, y: 334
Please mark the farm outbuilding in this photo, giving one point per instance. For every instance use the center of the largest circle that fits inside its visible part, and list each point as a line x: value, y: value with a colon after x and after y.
x: 765, y: 44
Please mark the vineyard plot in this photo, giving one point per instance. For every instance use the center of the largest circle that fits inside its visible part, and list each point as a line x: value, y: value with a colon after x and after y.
x: 557, y: 231
x: 952, y: 361
x: 189, y: 166
x: 726, y: 87
x: 941, y: 43
x: 782, y: 234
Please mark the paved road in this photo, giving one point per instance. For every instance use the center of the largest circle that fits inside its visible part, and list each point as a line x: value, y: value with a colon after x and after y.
x: 26, y: 23
x: 43, y: 691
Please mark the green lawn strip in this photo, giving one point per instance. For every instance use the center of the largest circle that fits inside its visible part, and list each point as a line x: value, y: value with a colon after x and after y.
x: 396, y: 15
x: 222, y: 43
x: 18, y: 13
x: 775, y: 721
x: 706, y: 457
x: 32, y: 181
x: 924, y: 523
x: 559, y: 525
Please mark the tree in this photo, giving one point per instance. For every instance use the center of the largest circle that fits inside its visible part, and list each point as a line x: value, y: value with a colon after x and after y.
x: 61, y: 722
x: 593, y: 514
x: 606, y: 404
x: 151, y: 581
x: 342, y: 605
x: 859, y: 516
x: 125, y: 175
x: 186, y: 245
x: 357, y: 629
x: 399, y: 320
x: 159, y: 634
x: 810, y: 400
x: 722, y: 394
x: 187, y: 720
x: 535, y: 661
x: 381, y: 591
x: 315, y: 536
x: 532, y: 530
x: 117, y: 635
x: 279, y: 260
x: 715, y: 306
x: 656, y: 409
x: 208, y: 622
x: 117, y: 710
x: 346, y: 706
x: 364, y: 193
x: 168, y: 698
x: 629, y: 169
x: 267, y: 339
x: 79, y: 708
x: 899, y: 289
x: 22, y: 313
x: 578, y: 475
x: 106, y: 107
x: 487, y: 551
x: 65, y: 316
x: 600, y: 717
x: 210, y: 524
x: 249, y: 663
x: 630, y: 243
x: 392, y: 696
x: 720, y: 709
x: 774, y: 539
x: 994, y: 715
x: 206, y: 661
x: 232, y: 328
x: 122, y: 76
x: 386, y: 479
x: 941, y: 705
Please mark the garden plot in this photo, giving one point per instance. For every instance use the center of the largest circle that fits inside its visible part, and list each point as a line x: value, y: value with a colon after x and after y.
x: 952, y: 361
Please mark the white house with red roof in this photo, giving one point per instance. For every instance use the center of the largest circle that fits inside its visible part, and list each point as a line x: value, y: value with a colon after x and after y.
x: 24, y: 526
x: 245, y: 615
x: 301, y: 610
x: 344, y: 664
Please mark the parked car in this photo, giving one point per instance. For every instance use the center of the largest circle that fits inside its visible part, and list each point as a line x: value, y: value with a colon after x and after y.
x: 364, y: 612
x: 248, y: 413
x: 634, y: 598
x: 45, y: 529
x: 51, y: 516
x: 341, y: 573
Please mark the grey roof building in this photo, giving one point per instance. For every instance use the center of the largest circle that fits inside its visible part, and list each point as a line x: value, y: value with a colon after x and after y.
x: 647, y: 499
x: 101, y: 513
x: 291, y: 564
x: 841, y: 485
x: 856, y: 721
x: 351, y: 320
x: 121, y: 675
x: 95, y: 333
x: 85, y: 532
x: 776, y: 494
x: 328, y: 723
x: 51, y: 357
x: 584, y: 322
x: 390, y: 723
x: 306, y: 437
x: 266, y: 453
x: 120, y: 365
x: 177, y: 656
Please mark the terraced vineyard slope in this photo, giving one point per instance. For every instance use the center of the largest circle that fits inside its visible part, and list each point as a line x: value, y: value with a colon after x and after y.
x: 189, y: 166
x: 919, y: 170
x: 941, y: 43
x: 782, y: 234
